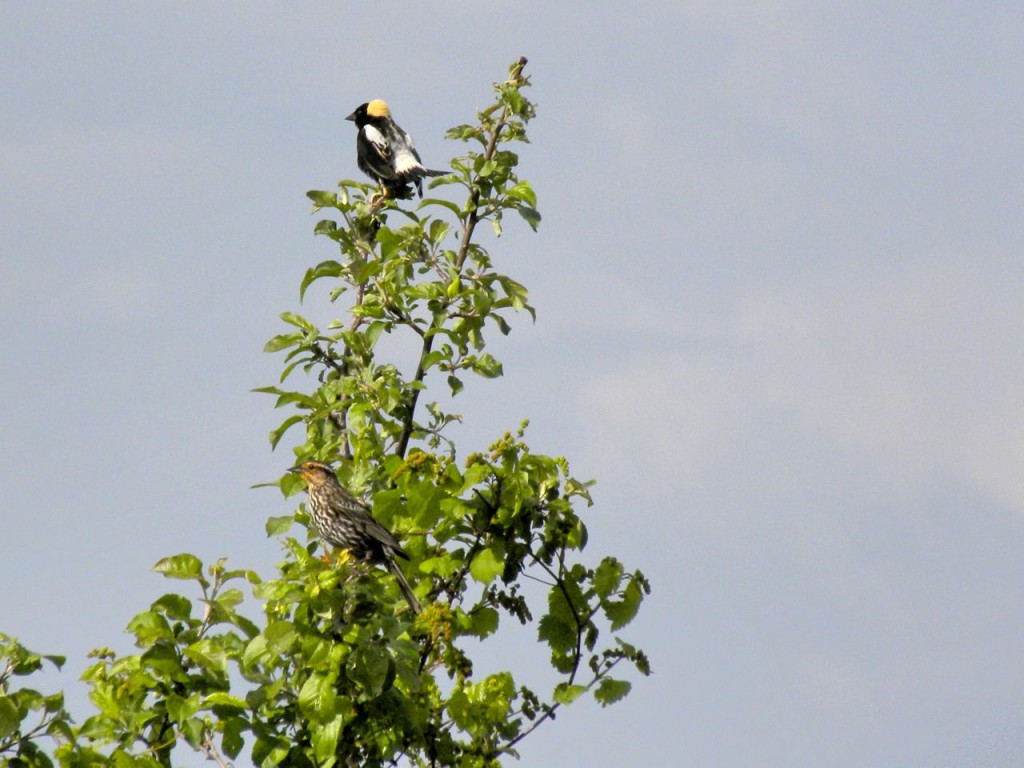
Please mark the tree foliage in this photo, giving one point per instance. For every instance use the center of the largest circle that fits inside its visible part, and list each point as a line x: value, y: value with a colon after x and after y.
x: 336, y: 670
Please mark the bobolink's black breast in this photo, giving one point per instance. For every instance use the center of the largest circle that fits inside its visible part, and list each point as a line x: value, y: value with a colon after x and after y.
x: 373, y: 154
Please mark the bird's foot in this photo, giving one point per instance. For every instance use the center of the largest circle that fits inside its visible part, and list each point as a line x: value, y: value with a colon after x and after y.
x: 344, y: 557
x: 339, y: 557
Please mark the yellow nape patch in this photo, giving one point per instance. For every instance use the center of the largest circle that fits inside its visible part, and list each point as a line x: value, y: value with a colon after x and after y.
x: 378, y: 108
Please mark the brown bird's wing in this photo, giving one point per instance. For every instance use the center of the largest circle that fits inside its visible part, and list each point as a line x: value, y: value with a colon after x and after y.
x: 377, y: 532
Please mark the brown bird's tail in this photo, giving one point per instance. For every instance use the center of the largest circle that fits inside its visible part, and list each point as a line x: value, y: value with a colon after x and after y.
x: 410, y: 596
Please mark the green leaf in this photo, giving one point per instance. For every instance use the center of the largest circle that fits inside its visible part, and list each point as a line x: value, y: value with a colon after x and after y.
x: 607, y: 576
x: 642, y: 663
x: 268, y: 751
x: 317, y: 697
x: 283, y: 341
x: 298, y: 321
x: 184, y: 566
x: 487, y: 367
x: 180, y: 709
x: 443, y: 203
x: 567, y: 693
x: 370, y: 667
x: 464, y: 133
x: 609, y: 691
x: 484, y: 621
x: 209, y: 654
x: 566, y: 602
x: 424, y: 503
x: 323, y: 199
x: 255, y: 652
x: 325, y: 739
x: 277, y: 434
x: 162, y: 662
x: 439, y: 566
x: 328, y: 268
x: 438, y: 230
x: 502, y: 324
x: 325, y: 227
x: 454, y: 287
x: 523, y: 191
x: 390, y: 241
x: 232, y: 741
x: 174, y: 606
x: 278, y: 526
x: 28, y: 699
x: 574, y: 487
x: 61, y: 731
x: 621, y: 612
x: 531, y: 215
x: 516, y: 292
x: 54, y: 702
x: 222, y: 699
x: 9, y: 719
x: 281, y: 636
x: 485, y: 566
x: 557, y: 633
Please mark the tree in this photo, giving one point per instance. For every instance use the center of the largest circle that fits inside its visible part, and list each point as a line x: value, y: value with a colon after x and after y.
x: 337, y: 670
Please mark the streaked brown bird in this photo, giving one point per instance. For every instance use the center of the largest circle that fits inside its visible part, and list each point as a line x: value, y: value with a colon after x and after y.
x: 345, y: 522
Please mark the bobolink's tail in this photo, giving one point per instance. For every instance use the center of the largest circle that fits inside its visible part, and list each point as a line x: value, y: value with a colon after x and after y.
x: 410, y: 596
x: 428, y: 172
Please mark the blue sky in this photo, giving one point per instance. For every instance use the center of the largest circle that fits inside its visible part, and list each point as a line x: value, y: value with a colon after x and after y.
x: 779, y: 288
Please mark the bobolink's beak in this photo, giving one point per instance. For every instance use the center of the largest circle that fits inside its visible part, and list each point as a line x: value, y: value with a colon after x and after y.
x: 351, y: 117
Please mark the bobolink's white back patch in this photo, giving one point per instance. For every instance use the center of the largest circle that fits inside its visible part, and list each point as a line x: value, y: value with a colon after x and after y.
x: 375, y: 137
x: 405, y: 161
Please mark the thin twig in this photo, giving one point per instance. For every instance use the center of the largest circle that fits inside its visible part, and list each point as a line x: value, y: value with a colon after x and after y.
x: 44, y: 723
x: 472, y: 219
x: 549, y: 712
x: 580, y: 626
x: 209, y: 749
x: 320, y: 354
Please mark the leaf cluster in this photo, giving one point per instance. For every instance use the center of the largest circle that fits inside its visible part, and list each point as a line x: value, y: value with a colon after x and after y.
x: 26, y: 715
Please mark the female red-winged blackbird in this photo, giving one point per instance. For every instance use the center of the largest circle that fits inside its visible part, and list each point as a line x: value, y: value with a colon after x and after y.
x: 345, y: 522
x: 386, y: 153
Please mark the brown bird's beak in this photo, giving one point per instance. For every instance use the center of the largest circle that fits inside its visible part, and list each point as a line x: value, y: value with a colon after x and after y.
x: 295, y: 469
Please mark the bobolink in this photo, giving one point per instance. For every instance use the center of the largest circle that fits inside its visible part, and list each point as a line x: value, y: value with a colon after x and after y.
x: 386, y: 153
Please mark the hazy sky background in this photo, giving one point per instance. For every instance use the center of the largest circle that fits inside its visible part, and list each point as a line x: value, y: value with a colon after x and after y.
x: 779, y: 289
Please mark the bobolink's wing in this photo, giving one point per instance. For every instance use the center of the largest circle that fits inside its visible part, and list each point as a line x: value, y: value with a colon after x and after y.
x: 378, y: 141
x: 374, y: 153
x: 412, y: 147
x: 406, y: 160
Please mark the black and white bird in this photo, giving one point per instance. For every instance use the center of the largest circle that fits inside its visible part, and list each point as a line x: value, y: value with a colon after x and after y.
x: 386, y: 153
